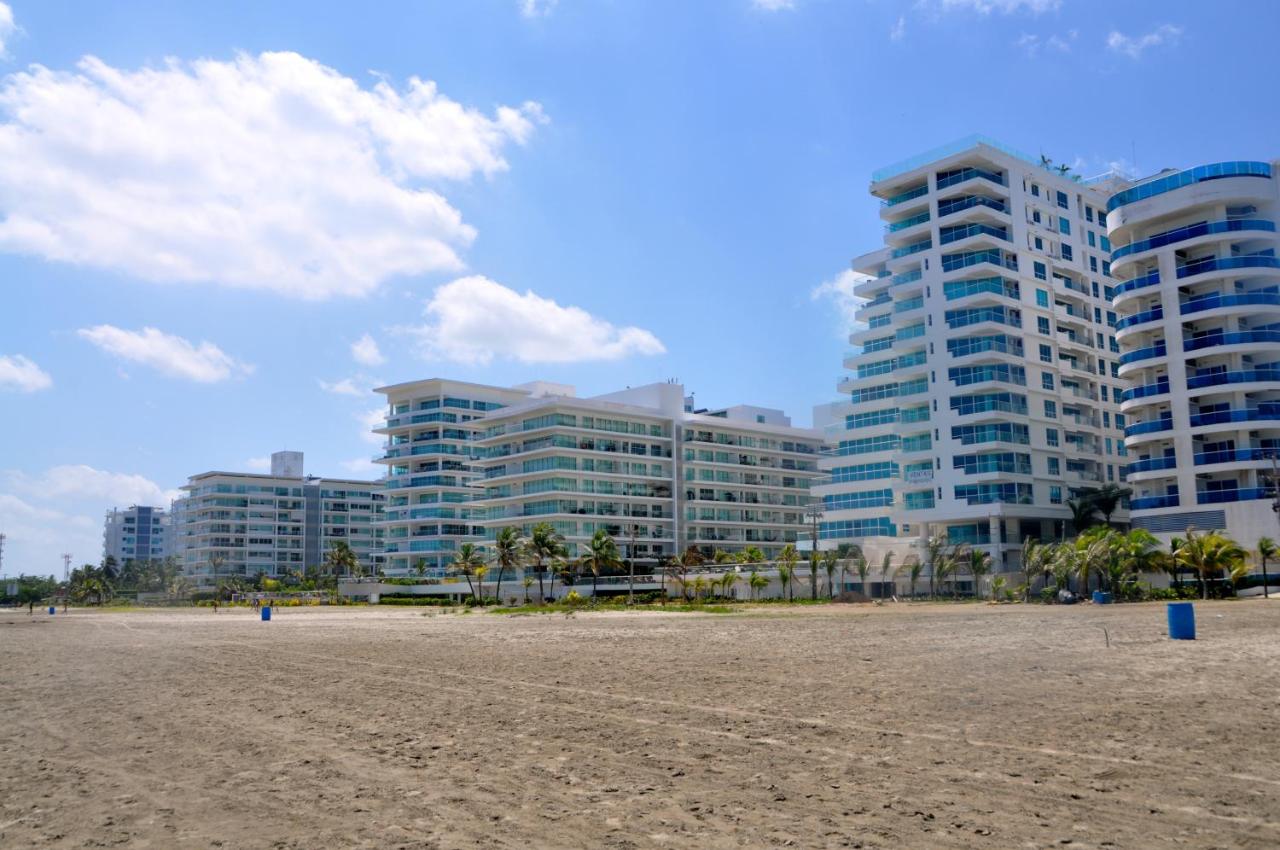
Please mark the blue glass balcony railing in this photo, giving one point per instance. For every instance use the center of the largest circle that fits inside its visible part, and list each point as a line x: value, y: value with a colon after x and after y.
x: 1187, y: 178
x: 1261, y: 413
x: 995, y: 285
x: 1239, y: 299
x: 1149, y: 279
x: 1149, y: 427
x: 1232, y: 456
x: 948, y: 235
x: 909, y: 195
x: 1192, y: 231
x: 955, y: 205
x: 1155, y: 314
x: 1214, y: 264
x: 1146, y: 390
x: 952, y: 178
x: 1151, y: 464
x: 1147, y: 503
x: 907, y: 222
x: 1148, y: 353
x: 1236, y: 338
x: 914, y: 248
x: 1241, y: 494
x: 1242, y: 376
x: 954, y: 262
x: 907, y: 277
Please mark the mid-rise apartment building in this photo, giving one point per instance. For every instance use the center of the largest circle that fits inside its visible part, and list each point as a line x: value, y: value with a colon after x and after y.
x: 984, y: 388
x: 642, y: 464
x: 137, y: 533
x: 239, y: 524
x: 1195, y: 252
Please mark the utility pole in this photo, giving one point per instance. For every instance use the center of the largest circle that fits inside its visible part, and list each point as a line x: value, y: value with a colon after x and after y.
x: 66, y: 566
x: 813, y: 511
x: 2, y: 539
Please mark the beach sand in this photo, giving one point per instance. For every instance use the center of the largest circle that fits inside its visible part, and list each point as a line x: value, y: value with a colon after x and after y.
x: 911, y: 726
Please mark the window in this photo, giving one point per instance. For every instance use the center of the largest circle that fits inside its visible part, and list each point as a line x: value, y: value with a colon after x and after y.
x: 1046, y: 354
x: 1042, y: 325
x: 1064, y: 226
x: 1062, y: 201
x: 1104, y: 392
x: 1040, y: 271
x: 1051, y: 436
x: 1055, y: 495
x: 1039, y: 243
x: 1088, y: 213
x: 1093, y: 242
x: 1120, y: 421
x: 1046, y: 380
x: 1106, y: 268
x: 1035, y: 190
x: 1066, y: 252
x: 1055, y: 467
x: 1042, y: 298
x: 1035, y: 216
x: 1050, y: 409
x: 1093, y: 263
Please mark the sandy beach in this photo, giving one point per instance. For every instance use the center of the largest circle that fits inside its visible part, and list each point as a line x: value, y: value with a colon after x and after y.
x: 842, y: 726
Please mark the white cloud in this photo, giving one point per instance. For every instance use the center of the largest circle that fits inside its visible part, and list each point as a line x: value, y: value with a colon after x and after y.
x: 79, y: 481
x: 258, y: 464
x: 22, y: 374
x: 7, y: 25
x: 1133, y: 46
x: 473, y: 320
x: 357, y: 386
x: 537, y: 8
x: 365, y: 351
x: 839, y: 292
x: 265, y: 172
x: 170, y: 355
x: 1031, y: 44
x: 1004, y: 7
x: 363, y: 467
x: 773, y: 5
x: 370, y: 419
x: 899, y: 29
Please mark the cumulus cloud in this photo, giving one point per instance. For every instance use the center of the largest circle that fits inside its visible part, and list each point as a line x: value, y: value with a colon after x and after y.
x: 899, y: 29
x: 171, y: 355
x: 365, y: 352
x: 838, y: 292
x: 258, y: 464
x: 1031, y: 44
x: 22, y: 374
x: 537, y: 8
x: 369, y: 419
x: 773, y: 5
x: 1004, y: 7
x: 78, y: 481
x: 474, y: 320
x: 358, y: 386
x: 7, y: 26
x: 264, y: 172
x: 1134, y: 46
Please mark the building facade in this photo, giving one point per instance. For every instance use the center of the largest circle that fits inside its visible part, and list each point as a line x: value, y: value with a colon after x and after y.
x: 236, y: 524
x: 642, y: 464
x: 1198, y: 295
x: 983, y: 391
x: 137, y: 533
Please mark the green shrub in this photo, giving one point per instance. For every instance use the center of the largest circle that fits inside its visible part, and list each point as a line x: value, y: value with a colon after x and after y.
x: 403, y: 599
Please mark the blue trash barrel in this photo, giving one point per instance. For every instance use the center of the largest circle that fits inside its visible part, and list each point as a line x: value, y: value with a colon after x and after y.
x: 1097, y: 597
x: 1107, y: 598
x: 52, y: 610
x: 1182, y: 621
x: 266, y: 613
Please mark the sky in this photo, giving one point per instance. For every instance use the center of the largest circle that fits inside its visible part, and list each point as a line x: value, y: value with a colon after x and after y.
x: 223, y: 224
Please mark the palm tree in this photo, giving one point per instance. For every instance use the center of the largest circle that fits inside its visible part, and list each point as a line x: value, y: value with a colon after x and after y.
x: 750, y: 555
x: 846, y: 552
x: 1106, y: 499
x: 830, y: 558
x: 602, y: 554
x: 680, y: 567
x: 1208, y: 555
x: 420, y: 567
x: 1082, y: 512
x: 979, y: 564
x: 784, y: 576
x: 727, y: 582
x: 469, y: 561
x: 527, y: 581
x: 560, y: 566
x: 544, y: 544
x: 507, y: 549
x: 788, y: 558
x: 886, y: 568
x: 861, y: 566
x: 1037, y: 560
x: 757, y: 583
x: 912, y: 566
x: 935, y: 549
x: 1266, y: 549
x: 341, y: 561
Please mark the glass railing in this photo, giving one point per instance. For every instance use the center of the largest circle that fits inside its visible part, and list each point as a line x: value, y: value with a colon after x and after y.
x: 1001, y: 345
x: 1149, y: 279
x: 1213, y: 264
x: 913, y: 248
x: 964, y: 318
x: 1152, y: 315
x: 907, y: 277
x: 1243, y: 376
x: 1236, y: 338
x: 1143, y: 354
x: 963, y: 231
x: 1241, y: 494
x: 873, y: 345
x: 1233, y: 456
x: 1261, y: 413
x: 995, y: 285
x: 1146, y: 390
x: 910, y: 332
x: 954, y: 262
x: 1239, y: 299
x: 956, y: 205
x: 877, y: 301
x: 1149, y: 427
x: 1151, y: 464
x: 1191, y: 231
x: 1146, y: 503
x: 951, y: 178
x: 1187, y: 178
x: 909, y: 304
x: 907, y: 222
x: 909, y: 195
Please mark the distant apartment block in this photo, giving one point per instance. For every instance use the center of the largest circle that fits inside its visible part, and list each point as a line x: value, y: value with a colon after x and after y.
x: 242, y: 524
x: 137, y: 533
x: 642, y: 464
x: 983, y: 390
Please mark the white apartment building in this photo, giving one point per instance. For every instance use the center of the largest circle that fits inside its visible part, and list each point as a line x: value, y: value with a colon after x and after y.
x: 238, y: 524
x: 136, y: 533
x: 1195, y: 253
x: 641, y: 464
x: 983, y: 391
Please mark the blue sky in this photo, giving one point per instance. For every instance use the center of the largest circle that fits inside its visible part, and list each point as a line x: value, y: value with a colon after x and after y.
x: 221, y: 224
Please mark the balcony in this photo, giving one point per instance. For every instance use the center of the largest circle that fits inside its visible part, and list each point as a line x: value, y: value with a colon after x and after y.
x: 1147, y: 503
x: 1148, y: 427
x: 907, y: 222
x: 1160, y: 387
x: 1157, y: 350
x: 955, y: 205
x: 1193, y: 231
x: 1243, y: 299
x: 1151, y: 278
x: 1155, y: 314
x: 955, y: 262
x: 913, y: 248
x: 1151, y: 464
x: 953, y: 178
x: 909, y: 195
x: 948, y: 235
x: 1242, y: 376
x: 1261, y: 413
x: 1242, y: 494
x: 1188, y: 178
x: 1213, y: 340
x: 1214, y: 264
x: 1233, y: 456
